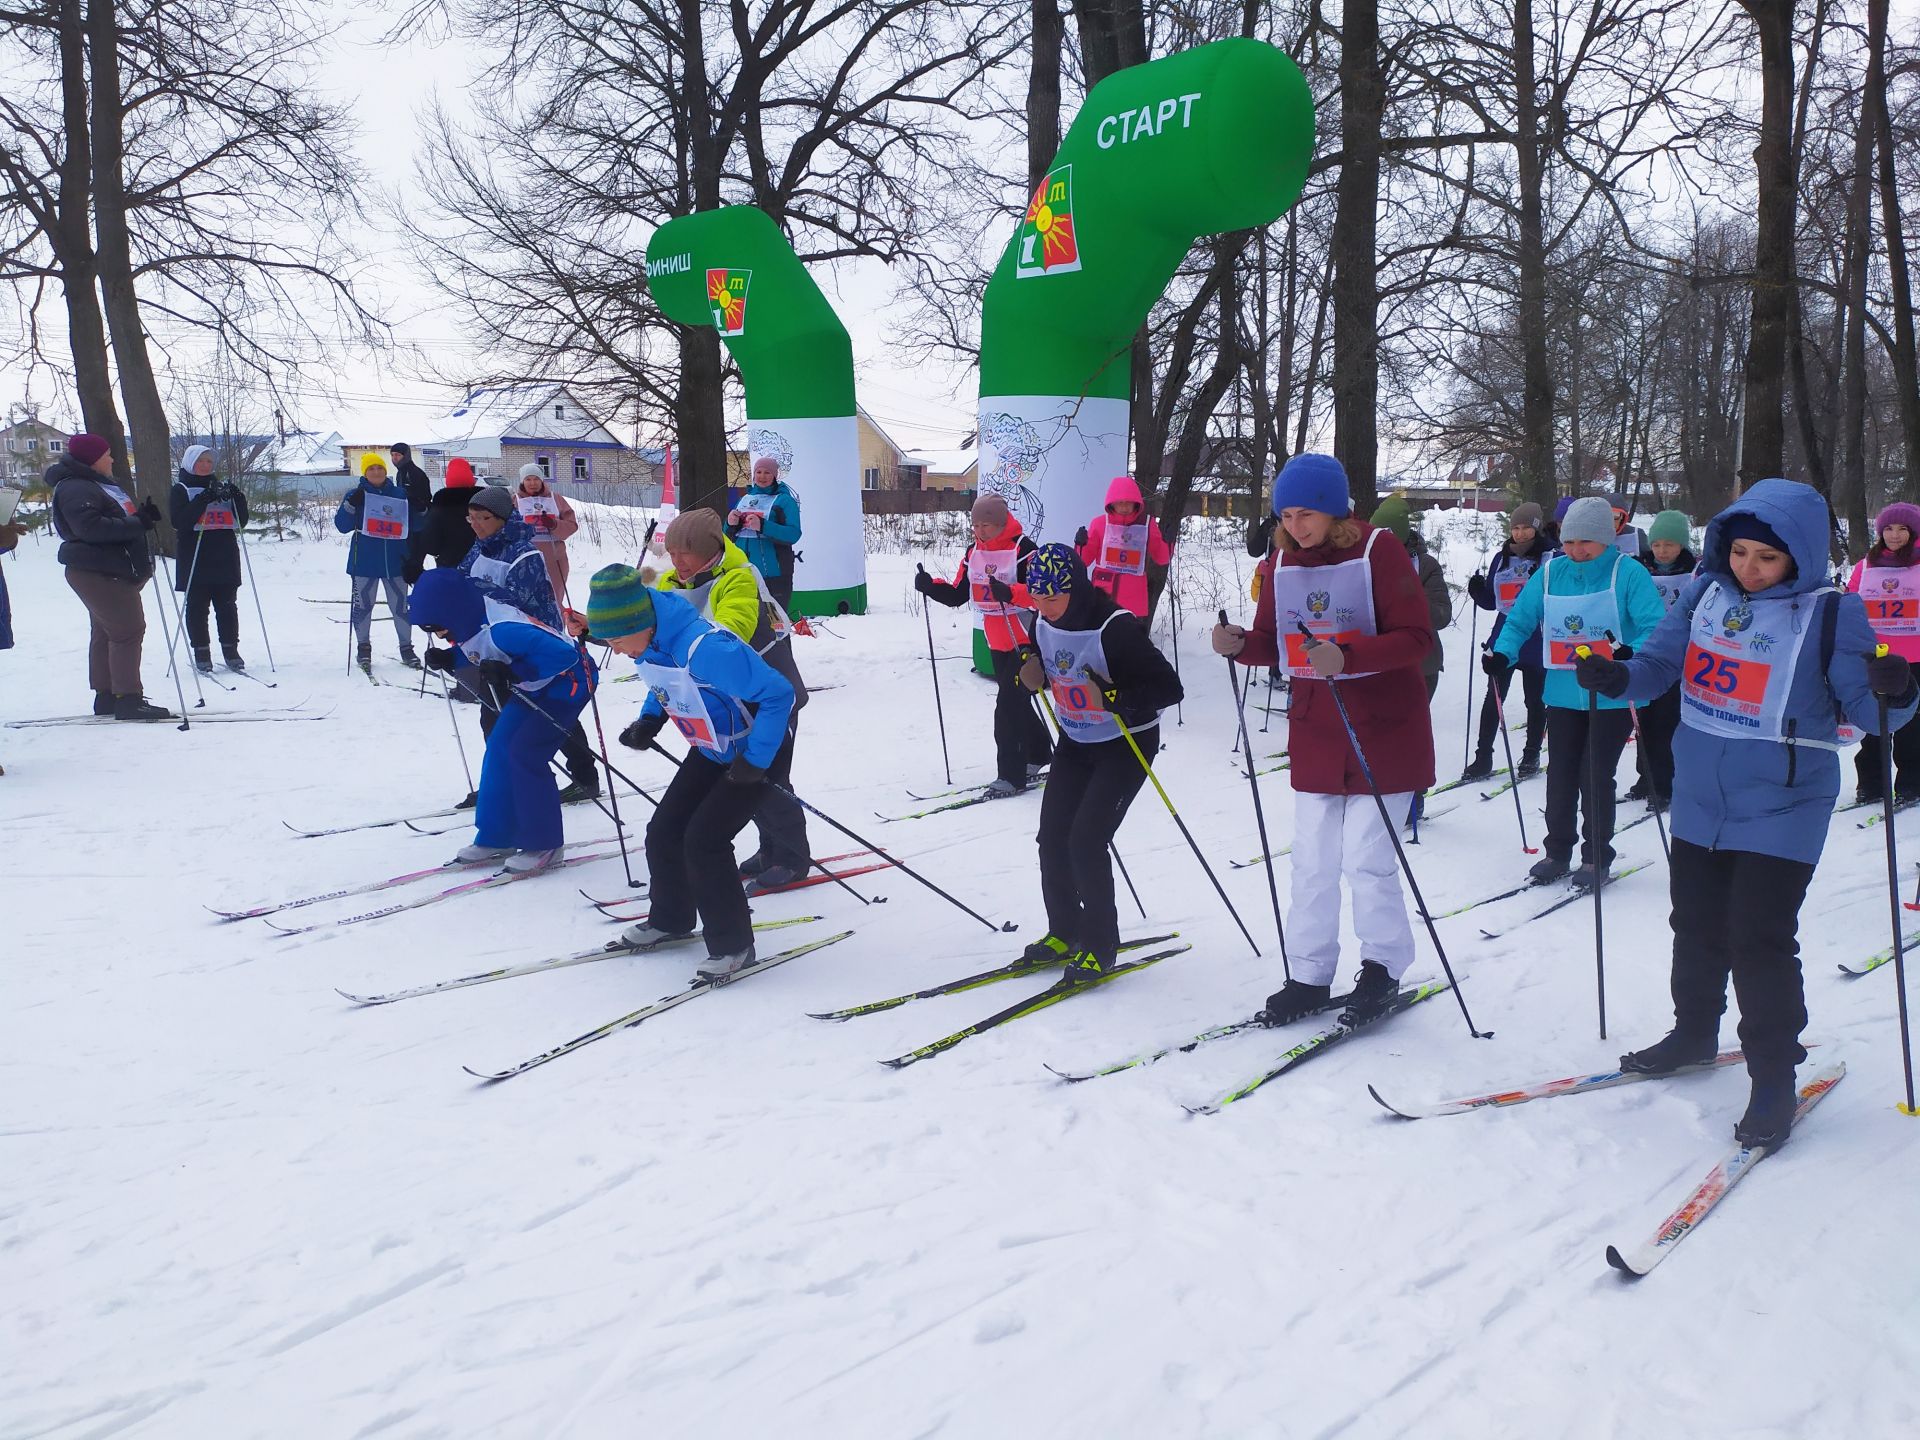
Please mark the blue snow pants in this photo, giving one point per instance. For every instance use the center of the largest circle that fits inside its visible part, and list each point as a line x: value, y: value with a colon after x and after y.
x: 519, y: 803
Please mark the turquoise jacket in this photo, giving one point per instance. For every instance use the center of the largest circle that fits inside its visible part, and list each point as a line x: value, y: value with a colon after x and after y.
x: 1641, y: 608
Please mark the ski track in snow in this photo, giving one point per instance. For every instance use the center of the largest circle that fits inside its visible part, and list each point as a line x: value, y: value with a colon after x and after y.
x: 237, y: 1206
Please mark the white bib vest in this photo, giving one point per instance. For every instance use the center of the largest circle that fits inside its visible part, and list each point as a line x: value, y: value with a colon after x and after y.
x: 684, y: 700
x: 481, y: 648
x: 383, y: 517
x: 1334, y: 602
x: 1123, y: 549
x: 1570, y: 621
x: 1510, y: 576
x: 1067, y: 656
x: 1739, y: 667
x: 541, y: 512
x: 1670, y: 586
x: 1891, y: 594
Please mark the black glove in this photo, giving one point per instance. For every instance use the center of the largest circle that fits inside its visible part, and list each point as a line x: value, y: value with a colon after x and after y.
x: 411, y: 573
x: 1109, y: 692
x: 356, y: 499
x: 1080, y: 538
x: 439, y: 659
x: 923, y: 582
x: 1494, y: 663
x: 744, y: 772
x: 1623, y: 652
x: 641, y: 734
x: 999, y: 589
x: 496, y: 673
x: 1601, y: 675
x: 148, y: 514
x: 1889, y: 676
x: 1477, y: 588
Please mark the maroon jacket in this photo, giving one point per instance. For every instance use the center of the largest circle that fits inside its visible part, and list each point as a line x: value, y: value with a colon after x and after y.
x: 1388, y: 709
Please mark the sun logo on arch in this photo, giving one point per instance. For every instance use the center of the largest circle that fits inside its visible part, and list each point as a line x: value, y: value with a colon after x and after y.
x: 1049, y: 244
x: 727, y: 299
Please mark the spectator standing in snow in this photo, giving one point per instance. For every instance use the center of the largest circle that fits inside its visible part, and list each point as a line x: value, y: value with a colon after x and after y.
x: 443, y: 535
x: 376, y: 514
x: 765, y: 523
x: 991, y: 578
x: 207, y: 514
x: 1888, y: 582
x: 1355, y: 588
x: 103, y: 545
x: 1527, y: 548
x: 1756, y: 772
x: 410, y: 477
x: 1120, y: 543
x: 10, y: 534
x: 552, y: 521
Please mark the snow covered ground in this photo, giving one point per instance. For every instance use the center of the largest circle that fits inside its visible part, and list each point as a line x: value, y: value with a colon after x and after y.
x: 235, y: 1205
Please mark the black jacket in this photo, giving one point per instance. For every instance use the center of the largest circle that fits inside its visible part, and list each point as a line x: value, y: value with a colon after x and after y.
x: 414, y: 481
x: 96, y: 532
x: 442, y: 533
x: 1146, y: 682
x: 211, y: 560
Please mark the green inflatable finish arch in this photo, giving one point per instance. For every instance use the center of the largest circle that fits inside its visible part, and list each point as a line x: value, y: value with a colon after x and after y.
x: 732, y: 269
x: 1216, y: 138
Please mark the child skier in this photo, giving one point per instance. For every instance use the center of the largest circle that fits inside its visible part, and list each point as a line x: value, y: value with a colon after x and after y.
x: 1104, y: 673
x: 1355, y: 588
x: 207, y: 513
x: 1671, y: 564
x: 1591, y: 595
x: 1527, y: 547
x: 733, y: 709
x: 1888, y: 582
x: 376, y: 513
x: 991, y: 578
x: 1118, y: 544
x: 547, y: 679
x: 1769, y: 661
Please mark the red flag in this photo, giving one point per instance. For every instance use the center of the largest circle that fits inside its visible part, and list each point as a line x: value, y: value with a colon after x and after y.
x: 667, y: 496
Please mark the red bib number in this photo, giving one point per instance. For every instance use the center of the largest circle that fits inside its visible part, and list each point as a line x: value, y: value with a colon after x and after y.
x: 1076, y: 697
x: 1726, y: 680
x: 1565, y: 654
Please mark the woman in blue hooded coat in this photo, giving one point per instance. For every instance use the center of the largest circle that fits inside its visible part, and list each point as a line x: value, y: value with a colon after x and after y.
x: 1770, y: 661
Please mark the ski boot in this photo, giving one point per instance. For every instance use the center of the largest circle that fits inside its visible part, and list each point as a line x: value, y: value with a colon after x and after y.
x: 135, y: 707
x: 1481, y: 768
x: 1294, y: 1001
x: 103, y: 702
x: 1677, y: 1051
x: 752, y: 865
x: 1034, y: 772
x: 1587, y: 878
x: 363, y: 657
x: 774, y: 877
x: 1001, y: 789
x: 579, y: 790
x: 1638, y: 790
x: 474, y: 854
x: 1548, y: 869
x: 645, y: 936
x: 1082, y: 966
x: 1047, y: 950
x: 409, y: 658
x: 203, y: 659
x: 1769, y: 1117
x: 231, y: 654
x: 719, y: 969
x: 1373, y: 991
x: 530, y: 862
x: 1529, y: 765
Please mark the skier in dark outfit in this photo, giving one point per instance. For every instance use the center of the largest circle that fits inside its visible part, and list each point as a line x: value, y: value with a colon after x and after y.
x: 1768, y: 664
x: 1527, y: 549
x: 206, y: 569
x: 1671, y: 564
x: 1100, y: 664
x: 409, y: 476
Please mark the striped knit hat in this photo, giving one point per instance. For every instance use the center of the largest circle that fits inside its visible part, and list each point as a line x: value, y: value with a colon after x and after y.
x: 618, y: 603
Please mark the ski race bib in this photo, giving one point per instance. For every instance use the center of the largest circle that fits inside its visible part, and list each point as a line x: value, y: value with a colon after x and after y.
x: 1067, y: 656
x: 217, y: 517
x: 1892, y: 597
x: 541, y: 512
x: 1003, y: 565
x: 1569, y: 621
x: 120, y: 497
x: 1509, y: 580
x: 1739, y: 665
x: 1334, y: 602
x: 1671, y: 587
x: 679, y: 695
x: 1123, y: 549
x: 383, y: 517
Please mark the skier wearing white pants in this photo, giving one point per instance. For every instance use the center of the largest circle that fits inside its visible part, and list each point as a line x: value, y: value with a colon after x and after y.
x: 1354, y: 591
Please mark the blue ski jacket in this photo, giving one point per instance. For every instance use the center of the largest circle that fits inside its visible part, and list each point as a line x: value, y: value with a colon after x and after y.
x: 747, y: 700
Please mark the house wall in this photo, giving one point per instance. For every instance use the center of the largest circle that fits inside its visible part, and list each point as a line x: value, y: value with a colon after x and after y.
x: 27, y: 449
x: 879, y: 459
x: 604, y: 469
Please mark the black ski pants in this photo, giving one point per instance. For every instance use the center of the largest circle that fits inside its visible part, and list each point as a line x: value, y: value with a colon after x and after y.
x: 690, y: 861
x: 1658, y: 721
x: 225, y: 603
x: 1087, y: 795
x: 1569, y: 732
x: 1019, y: 735
x: 1906, y: 760
x: 1737, y: 913
x: 1533, y: 680
x: 781, y: 821
x: 575, y: 751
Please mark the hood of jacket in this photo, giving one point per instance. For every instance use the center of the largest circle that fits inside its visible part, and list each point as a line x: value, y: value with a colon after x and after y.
x: 1122, y: 488
x: 512, y: 539
x: 68, y: 468
x: 447, y: 600
x: 1794, y: 512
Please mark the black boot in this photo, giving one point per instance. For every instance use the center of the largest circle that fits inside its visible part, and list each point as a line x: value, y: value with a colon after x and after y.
x: 1678, y: 1051
x: 363, y: 657
x: 580, y: 790
x: 1294, y: 1001
x: 1481, y: 768
x: 409, y: 658
x: 135, y: 707
x: 231, y: 654
x: 203, y: 659
x: 1769, y: 1117
x: 755, y: 863
x: 1373, y: 990
x: 1529, y: 764
x: 103, y: 702
x: 1548, y: 869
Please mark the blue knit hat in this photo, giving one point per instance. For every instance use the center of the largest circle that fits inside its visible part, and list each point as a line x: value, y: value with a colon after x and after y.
x: 618, y: 603
x: 1054, y: 570
x: 1313, y: 482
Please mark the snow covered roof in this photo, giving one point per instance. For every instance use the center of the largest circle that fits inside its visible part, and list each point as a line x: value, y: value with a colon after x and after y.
x: 304, y: 452
x: 481, y: 423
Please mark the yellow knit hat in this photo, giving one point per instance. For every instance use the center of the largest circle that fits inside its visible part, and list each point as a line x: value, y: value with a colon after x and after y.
x: 371, y: 459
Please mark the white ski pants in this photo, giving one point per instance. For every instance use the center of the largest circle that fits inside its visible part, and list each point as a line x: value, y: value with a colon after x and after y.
x: 1336, y: 835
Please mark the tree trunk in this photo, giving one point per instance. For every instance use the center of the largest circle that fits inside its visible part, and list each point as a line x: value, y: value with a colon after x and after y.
x: 1851, y: 439
x: 1536, y: 380
x: 73, y: 244
x: 139, y: 390
x: 1356, y: 335
x: 1763, y: 436
x: 1043, y: 89
x: 1906, y: 358
x: 699, y: 410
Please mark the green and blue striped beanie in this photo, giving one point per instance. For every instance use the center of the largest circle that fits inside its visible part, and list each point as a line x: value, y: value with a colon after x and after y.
x: 618, y: 603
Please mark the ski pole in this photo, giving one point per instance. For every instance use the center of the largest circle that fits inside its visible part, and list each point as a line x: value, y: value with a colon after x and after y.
x: 180, y: 629
x: 1466, y: 739
x: 926, y: 613
x: 600, y: 730
x: 193, y: 571
x: 261, y: 615
x: 1259, y: 811
x: 178, y: 689
x: 453, y: 718
x: 1173, y: 600
x: 1893, y: 894
x: 1393, y: 834
x: 1192, y: 844
x: 1043, y: 704
x: 1513, y: 775
x: 1639, y: 740
x: 1593, y: 845
x: 352, y: 627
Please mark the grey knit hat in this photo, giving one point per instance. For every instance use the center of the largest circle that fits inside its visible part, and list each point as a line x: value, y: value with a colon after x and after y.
x: 1588, y: 518
x: 493, y: 499
x: 1526, y: 515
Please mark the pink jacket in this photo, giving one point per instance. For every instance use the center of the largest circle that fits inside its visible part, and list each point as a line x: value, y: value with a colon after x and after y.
x: 1128, y: 591
x: 1906, y: 646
